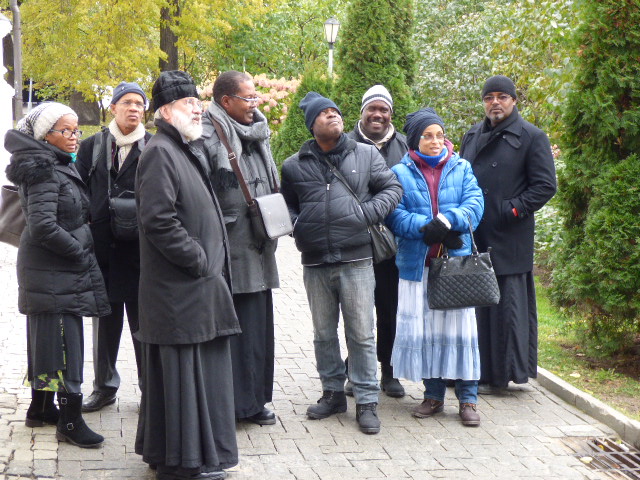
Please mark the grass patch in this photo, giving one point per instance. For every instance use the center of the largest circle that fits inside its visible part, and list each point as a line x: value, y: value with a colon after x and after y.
x: 615, y: 380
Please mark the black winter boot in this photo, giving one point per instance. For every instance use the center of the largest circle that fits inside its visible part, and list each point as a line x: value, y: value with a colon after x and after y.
x: 71, y: 427
x: 330, y: 403
x: 42, y: 410
x: 389, y: 385
x: 367, y: 417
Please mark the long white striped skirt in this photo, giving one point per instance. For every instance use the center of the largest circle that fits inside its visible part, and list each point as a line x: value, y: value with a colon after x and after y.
x: 433, y: 343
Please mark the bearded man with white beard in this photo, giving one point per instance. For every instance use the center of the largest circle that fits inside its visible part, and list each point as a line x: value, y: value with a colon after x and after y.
x: 186, y: 425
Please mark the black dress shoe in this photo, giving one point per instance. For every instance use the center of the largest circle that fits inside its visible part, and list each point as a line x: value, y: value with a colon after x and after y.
x: 97, y: 400
x: 178, y: 473
x: 265, y: 417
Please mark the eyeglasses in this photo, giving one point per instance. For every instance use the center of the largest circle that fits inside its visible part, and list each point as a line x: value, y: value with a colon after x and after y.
x: 194, y: 103
x: 501, y: 98
x: 248, y: 100
x: 66, y: 133
x: 130, y: 103
x: 430, y: 138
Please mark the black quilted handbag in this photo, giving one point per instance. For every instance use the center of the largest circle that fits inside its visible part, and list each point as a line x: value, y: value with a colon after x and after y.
x: 462, y: 282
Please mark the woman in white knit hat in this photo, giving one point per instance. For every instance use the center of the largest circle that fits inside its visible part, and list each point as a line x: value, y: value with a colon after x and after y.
x: 59, y: 281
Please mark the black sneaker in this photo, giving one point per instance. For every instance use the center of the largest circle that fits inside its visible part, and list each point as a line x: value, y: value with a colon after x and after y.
x: 330, y: 403
x: 367, y: 417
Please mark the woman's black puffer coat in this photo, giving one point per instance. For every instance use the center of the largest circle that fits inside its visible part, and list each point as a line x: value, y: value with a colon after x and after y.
x: 57, y: 270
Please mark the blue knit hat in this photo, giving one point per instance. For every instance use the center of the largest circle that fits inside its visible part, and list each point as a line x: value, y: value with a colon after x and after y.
x: 127, y: 87
x: 312, y: 104
x: 417, y: 122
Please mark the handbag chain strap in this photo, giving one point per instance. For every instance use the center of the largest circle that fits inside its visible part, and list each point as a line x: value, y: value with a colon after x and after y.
x: 233, y: 161
x: 474, y: 248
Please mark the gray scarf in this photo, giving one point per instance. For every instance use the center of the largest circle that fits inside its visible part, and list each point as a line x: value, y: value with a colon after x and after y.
x: 257, y: 132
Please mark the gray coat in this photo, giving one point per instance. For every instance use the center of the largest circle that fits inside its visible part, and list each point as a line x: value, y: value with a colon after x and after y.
x: 185, y: 284
x: 253, y: 262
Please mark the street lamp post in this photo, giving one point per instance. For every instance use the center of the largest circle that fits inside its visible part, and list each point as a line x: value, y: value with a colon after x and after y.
x: 331, y: 28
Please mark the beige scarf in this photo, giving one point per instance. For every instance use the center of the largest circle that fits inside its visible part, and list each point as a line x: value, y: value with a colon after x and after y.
x: 125, y: 142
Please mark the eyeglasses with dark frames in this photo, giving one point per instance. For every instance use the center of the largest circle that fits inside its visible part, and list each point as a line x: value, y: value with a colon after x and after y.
x: 66, y: 133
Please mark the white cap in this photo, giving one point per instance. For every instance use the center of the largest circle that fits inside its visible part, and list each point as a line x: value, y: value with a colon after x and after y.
x: 377, y: 92
x: 43, y: 118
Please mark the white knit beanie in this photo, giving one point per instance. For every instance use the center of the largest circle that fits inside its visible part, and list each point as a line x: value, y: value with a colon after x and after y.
x: 377, y: 92
x: 42, y: 118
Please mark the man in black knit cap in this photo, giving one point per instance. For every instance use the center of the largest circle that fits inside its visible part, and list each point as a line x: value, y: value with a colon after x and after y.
x: 513, y: 163
x: 331, y: 229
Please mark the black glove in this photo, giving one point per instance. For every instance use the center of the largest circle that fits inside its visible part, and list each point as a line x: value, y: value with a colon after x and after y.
x: 434, y: 232
x: 452, y: 240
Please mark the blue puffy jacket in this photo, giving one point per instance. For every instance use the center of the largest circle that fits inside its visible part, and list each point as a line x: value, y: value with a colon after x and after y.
x: 459, y: 196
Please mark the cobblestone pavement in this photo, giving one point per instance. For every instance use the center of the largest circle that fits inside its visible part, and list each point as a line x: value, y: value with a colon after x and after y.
x: 521, y: 435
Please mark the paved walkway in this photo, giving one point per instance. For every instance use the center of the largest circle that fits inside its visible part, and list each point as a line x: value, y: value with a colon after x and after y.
x: 521, y: 435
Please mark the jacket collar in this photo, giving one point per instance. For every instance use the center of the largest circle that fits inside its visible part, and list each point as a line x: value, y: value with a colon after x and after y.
x: 511, y: 124
x: 308, y: 150
x: 362, y: 138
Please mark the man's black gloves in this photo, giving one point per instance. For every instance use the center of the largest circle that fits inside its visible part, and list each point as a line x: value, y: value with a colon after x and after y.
x: 434, y: 231
x: 452, y: 240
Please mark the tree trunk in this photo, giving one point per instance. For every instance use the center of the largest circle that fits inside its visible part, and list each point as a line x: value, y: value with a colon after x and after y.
x: 169, y: 16
x: 17, y: 60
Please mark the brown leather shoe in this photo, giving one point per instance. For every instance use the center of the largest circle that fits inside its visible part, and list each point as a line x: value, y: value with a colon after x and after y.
x: 427, y: 408
x: 468, y: 414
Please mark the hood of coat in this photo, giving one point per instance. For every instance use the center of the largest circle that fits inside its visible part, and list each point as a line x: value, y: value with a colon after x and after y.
x: 32, y: 161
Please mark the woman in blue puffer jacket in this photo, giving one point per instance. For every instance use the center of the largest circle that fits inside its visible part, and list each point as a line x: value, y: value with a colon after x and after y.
x: 441, y: 195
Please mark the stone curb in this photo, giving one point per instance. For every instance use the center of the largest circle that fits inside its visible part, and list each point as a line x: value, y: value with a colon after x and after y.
x: 628, y: 429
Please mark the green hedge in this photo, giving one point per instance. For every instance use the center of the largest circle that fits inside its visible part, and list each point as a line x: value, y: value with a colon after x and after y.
x: 294, y: 131
x: 597, y: 265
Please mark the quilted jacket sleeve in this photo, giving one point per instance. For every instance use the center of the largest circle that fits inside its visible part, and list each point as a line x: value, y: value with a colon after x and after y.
x: 385, y: 187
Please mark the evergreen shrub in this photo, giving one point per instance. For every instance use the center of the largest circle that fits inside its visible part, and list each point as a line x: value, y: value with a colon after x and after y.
x: 375, y: 47
x: 294, y: 132
x: 596, y: 269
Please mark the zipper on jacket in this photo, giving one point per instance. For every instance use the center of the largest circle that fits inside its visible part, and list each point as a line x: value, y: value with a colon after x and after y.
x: 326, y: 213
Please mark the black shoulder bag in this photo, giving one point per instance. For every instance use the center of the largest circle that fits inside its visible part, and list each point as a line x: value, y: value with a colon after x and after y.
x: 122, y: 210
x: 269, y: 213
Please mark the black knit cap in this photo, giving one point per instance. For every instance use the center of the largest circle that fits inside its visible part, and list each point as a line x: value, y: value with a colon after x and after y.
x: 499, y: 83
x: 416, y: 123
x: 312, y: 104
x: 170, y: 86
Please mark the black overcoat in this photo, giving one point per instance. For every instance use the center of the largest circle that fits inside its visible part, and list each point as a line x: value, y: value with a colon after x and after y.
x: 119, y: 260
x: 57, y: 270
x: 514, y: 167
x: 185, y: 284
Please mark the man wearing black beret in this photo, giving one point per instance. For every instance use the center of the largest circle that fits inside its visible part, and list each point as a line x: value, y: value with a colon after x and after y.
x: 186, y: 425
x: 513, y: 163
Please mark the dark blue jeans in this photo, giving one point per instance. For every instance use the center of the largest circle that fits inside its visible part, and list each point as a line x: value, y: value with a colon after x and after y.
x: 466, y: 390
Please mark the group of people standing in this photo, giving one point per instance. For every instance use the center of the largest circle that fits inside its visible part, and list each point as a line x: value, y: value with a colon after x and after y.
x: 196, y: 283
